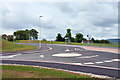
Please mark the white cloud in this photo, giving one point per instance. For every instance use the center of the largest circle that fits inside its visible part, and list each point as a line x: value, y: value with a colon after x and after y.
x: 99, y: 19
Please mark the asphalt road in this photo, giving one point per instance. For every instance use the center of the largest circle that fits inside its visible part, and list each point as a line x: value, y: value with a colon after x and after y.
x: 65, y: 57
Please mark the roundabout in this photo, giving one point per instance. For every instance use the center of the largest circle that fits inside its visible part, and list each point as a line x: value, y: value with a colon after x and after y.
x: 68, y: 58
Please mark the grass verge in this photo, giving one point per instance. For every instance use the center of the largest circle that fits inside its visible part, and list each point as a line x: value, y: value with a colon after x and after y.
x: 98, y: 45
x: 72, y: 43
x: 9, y: 46
x: 12, y: 71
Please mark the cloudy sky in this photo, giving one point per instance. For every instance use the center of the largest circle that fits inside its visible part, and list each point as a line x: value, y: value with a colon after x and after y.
x: 98, y: 19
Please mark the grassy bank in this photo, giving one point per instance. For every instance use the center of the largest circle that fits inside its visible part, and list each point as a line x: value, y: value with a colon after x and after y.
x: 98, y: 45
x: 10, y: 71
x: 9, y: 46
x: 82, y: 44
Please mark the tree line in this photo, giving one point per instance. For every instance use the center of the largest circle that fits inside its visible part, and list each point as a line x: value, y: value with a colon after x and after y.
x: 33, y: 35
x: 78, y: 38
x: 22, y: 35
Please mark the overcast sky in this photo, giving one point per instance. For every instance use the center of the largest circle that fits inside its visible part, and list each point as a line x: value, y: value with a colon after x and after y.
x: 98, y: 19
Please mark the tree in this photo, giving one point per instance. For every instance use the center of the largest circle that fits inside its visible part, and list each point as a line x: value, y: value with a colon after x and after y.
x: 26, y: 34
x: 78, y: 37
x: 72, y: 39
x: 104, y: 41
x: 21, y: 35
x: 10, y: 37
x: 4, y: 36
x: 44, y: 40
x: 34, y: 33
x: 59, y: 37
x: 68, y: 34
x: 84, y: 39
x: 93, y: 40
x: 97, y: 41
x: 7, y: 37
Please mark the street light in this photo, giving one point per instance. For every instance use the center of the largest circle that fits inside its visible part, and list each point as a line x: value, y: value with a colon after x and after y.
x: 89, y: 37
x: 50, y: 34
x: 13, y: 37
x: 40, y: 32
x: 29, y: 37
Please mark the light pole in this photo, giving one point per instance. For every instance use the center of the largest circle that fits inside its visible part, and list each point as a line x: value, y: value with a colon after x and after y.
x: 89, y: 37
x: 50, y: 34
x: 13, y: 37
x: 40, y: 31
x: 29, y: 37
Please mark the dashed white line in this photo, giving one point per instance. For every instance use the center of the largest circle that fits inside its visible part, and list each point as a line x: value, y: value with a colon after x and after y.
x: 67, y: 49
x: 77, y: 49
x: 77, y: 63
x: 89, y: 63
x: 99, y: 62
x: 108, y: 61
x: 50, y: 48
x: 88, y: 56
x: 115, y: 60
x: 42, y: 56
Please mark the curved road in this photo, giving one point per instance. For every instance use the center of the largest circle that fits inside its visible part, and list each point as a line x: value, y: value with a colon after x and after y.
x: 72, y: 58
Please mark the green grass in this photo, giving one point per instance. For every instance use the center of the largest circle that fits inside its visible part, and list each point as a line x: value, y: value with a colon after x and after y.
x: 98, y: 45
x: 9, y: 46
x: 36, y: 72
x: 36, y: 41
x: 72, y: 43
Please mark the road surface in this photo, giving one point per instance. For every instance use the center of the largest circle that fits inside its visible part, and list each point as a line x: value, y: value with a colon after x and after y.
x: 72, y: 58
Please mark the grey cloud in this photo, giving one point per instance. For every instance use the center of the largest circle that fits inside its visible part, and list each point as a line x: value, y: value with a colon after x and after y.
x: 104, y: 22
x: 67, y: 9
x: 96, y: 13
x: 80, y: 17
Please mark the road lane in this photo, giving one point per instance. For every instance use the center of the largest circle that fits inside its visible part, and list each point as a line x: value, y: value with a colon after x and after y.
x: 80, y: 68
x: 87, y: 57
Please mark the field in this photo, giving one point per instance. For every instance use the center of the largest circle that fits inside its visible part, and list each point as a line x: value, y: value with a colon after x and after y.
x: 9, y: 46
x: 72, y: 43
x: 10, y: 71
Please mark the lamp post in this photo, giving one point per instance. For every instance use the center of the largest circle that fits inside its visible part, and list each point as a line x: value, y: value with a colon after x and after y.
x: 29, y: 37
x: 40, y: 31
x: 50, y: 34
x: 89, y: 37
x: 13, y: 37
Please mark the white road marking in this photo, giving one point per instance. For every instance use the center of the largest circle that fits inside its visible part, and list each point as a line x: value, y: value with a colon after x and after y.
x: 36, y: 51
x: 89, y: 63
x: 67, y: 54
x: 11, y: 56
x: 50, y: 48
x: 77, y: 63
x: 115, y: 60
x: 67, y: 49
x: 88, y: 56
x: 108, y: 61
x: 77, y: 49
x: 99, y: 62
x: 42, y: 56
